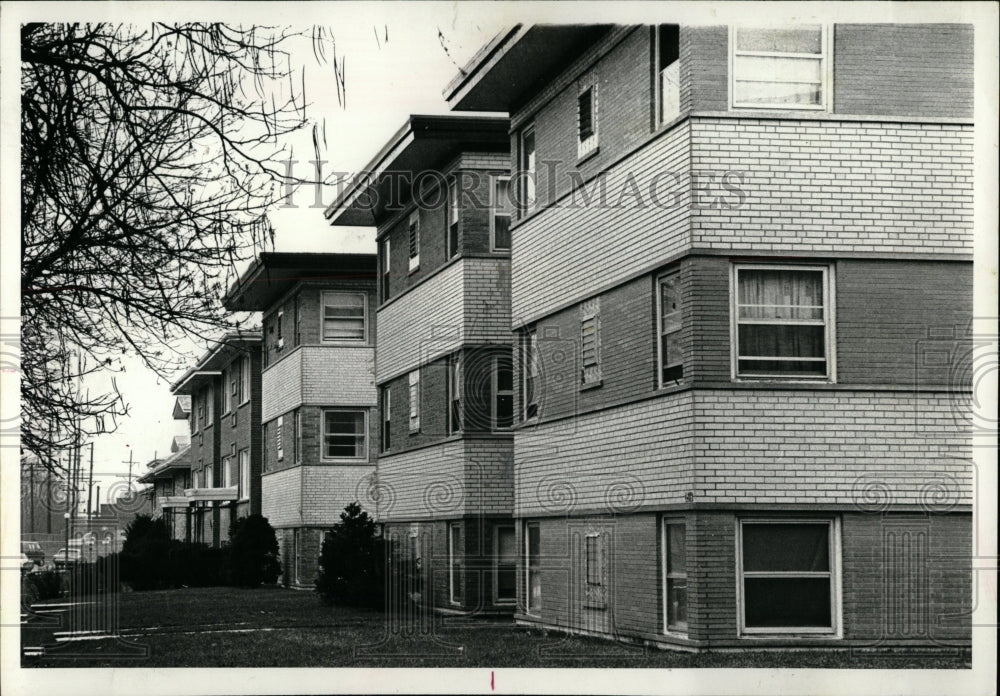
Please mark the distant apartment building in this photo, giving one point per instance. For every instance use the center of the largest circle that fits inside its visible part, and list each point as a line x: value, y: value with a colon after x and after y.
x: 437, y: 195
x: 170, y: 477
x: 741, y: 285
x: 318, y: 421
x: 224, y: 455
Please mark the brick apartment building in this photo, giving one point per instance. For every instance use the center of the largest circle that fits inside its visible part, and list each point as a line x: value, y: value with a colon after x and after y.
x: 169, y: 477
x: 437, y: 194
x: 739, y: 421
x: 224, y: 455
x: 318, y: 410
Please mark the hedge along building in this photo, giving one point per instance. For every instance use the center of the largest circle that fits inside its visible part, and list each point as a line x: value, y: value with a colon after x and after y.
x: 437, y: 194
x: 318, y: 409
x: 742, y: 419
x: 225, y: 450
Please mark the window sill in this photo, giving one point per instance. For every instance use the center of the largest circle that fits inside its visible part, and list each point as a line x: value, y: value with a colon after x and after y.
x: 591, y: 385
x: 345, y: 461
x: 587, y: 156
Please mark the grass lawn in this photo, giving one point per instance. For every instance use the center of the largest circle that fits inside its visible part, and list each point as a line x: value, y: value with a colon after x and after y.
x: 271, y: 627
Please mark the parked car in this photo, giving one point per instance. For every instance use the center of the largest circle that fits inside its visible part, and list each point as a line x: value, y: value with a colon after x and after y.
x: 33, y: 550
x: 62, y: 557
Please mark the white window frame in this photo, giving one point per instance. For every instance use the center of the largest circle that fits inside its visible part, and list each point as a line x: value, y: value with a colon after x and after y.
x: 587, y: 146
x: 363, y: 456
x: 227, y: 471
x: 243, y: 461
x: 660, y: 333
x: 527, y: 197
x: 528, y: 608
x: 453, y: 219
x: 826, y: 71
x: 245, y: 369
x: 452, y: 528
x: 590, y: 315
x: 386, y: 271
x: 413, y: 240
x: 495, y: 394
x: 829, y: 314
x: 454, y: 393
x: 497, y: 599
x: 227, y: 395
x: 208, y: 474
x: 835, y: 574
x: 414, y: 391
x: 670, y: 75
x: 667, y: 574
x: 322, y: 317
x: 530, y: 371
x: 495, y: 206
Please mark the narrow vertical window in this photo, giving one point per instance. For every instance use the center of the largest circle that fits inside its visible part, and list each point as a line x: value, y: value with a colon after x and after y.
x: 244, y: 483
x: 529, y: 373
x: 227, y: 394
x: 209, y: 477
x: 386, y: 265
x: 668, y: 101
x: 209, y: 405
x: 593, y: 552
x: 265, y: 438
x: 264, y: 352
x: 451, y: 234
x: 454, y: 395
x: 527, y: 174
x: 414, y: 380
x: 590, y: 342
x: 533, y: 568
x: 503, y: 392
x: 386, y: 409
x: 279, y: 325
x: 669, y: 317
x: 456, y: 558
x: 675, y: 576
x: 505, y: 567
x: 500, y: 218
x: 586, y: 117
x: 296, y: 323
x: 245, y: 380
x: 227, y: 472
x: 297, y: 436
x: 413, y: 235
x: 279, y: 427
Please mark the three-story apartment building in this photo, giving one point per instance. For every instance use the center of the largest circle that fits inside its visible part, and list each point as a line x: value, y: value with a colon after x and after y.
x: 437, y: 194
x: 170, y: 477
x: 224, y: 455
x: 318, y: 410
x: 741, y: 281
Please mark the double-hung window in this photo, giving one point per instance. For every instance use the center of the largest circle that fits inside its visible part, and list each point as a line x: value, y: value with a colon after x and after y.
x: 244, y: 481
x: 788, y: 576
x: 414, y: 383
x: 505, y: 565
x: 503, y: 392
x: 227, y: 472
x: 209, y: 473
x: 451, y: 234
x: 385, y: 407
x: 228, y: 389
x: 344, y: 316
x: 413, y: 237
x: 780, y: 67
x: 669, y: 325
x: 454, y: 394
x: 526, y: 180
x: 344, y: 434
x: 586, y: 116
x: 590, y: 342
x: 386, y: 266
x: 500, y: 217
x: 783, y: 325
x: 297, y: 436
x: 674, y: 576
x: 244, y: 380
x: 668, y: 93
x: 529, y: 375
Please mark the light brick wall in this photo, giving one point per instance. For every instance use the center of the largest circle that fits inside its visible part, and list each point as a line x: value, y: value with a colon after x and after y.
x: 338, y: 375
x: 424, y: 323
x: 613, y: 459
x: 834, y: 186
x: 487, y: 300
x: 282, y: 386
x: 841, y: 447
x: 327, y: 490
x: 574, y: 250
x: 281, y: 498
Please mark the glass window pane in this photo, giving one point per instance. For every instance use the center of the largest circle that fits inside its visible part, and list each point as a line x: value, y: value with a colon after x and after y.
x: 501, y: 231
x: 764, y: 93
x: 777, y: 294
x: 805, y: 38
x: 782, y: 340
x: 676, y: 549
x: 784, y: 368
x: 677, y: 602
x: 764, y: 69
x: 787, y: 602
x: 786, y: 547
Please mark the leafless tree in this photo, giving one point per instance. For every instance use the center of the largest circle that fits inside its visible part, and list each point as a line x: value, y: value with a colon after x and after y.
x: 149, y: 157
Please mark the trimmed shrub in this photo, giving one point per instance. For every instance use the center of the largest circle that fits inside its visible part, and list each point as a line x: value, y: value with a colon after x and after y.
x: 36, y: 587
x: 144, y: 554
x: 253, y: 552
x: 352, y: 562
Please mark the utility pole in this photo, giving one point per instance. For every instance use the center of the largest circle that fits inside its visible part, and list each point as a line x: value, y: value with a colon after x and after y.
x: 129, y: 469
x: 90, y: 483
